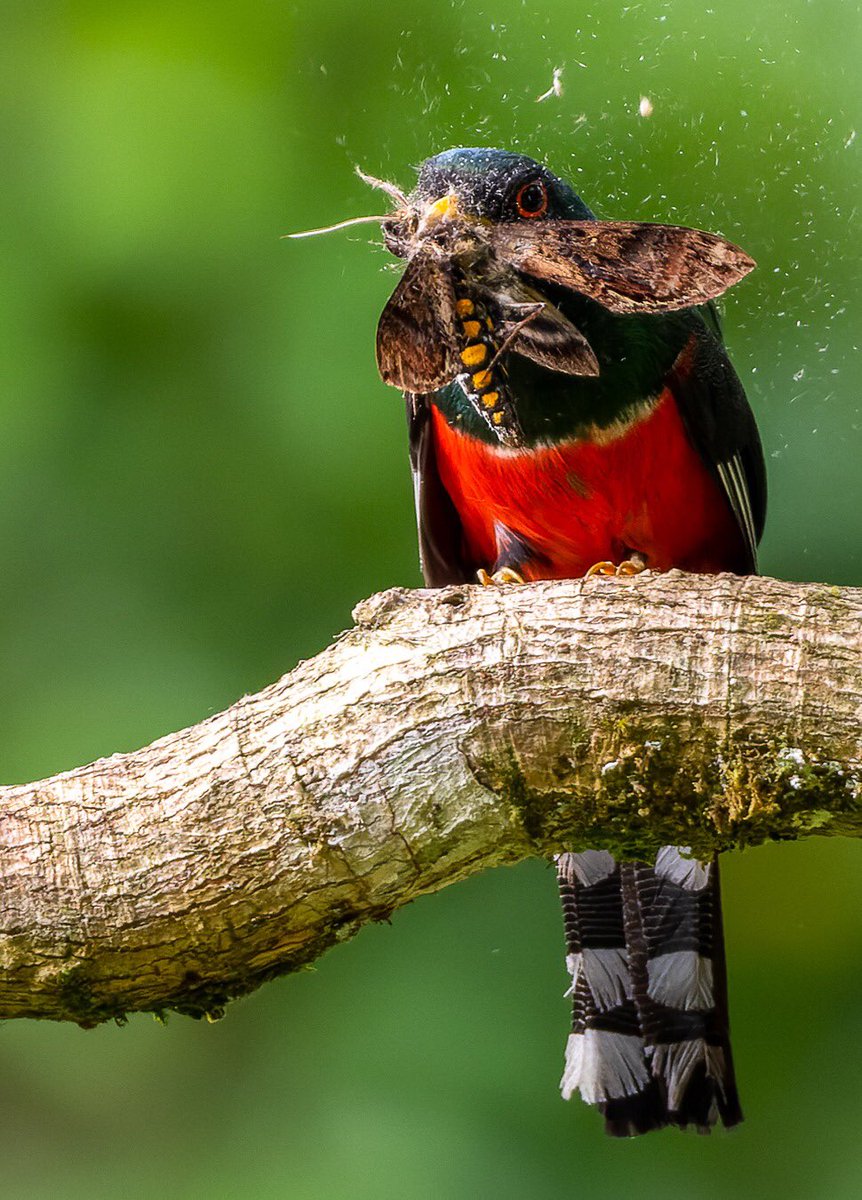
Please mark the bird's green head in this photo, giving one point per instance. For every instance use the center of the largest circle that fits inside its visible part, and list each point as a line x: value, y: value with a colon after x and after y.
x: 497, y: 185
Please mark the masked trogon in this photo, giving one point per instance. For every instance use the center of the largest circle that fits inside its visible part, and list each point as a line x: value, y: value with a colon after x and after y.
x: 572, y: 410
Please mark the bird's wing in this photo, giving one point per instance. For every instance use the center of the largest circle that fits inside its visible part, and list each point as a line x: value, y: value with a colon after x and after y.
x: 721, y: 425
x: 441, y: 552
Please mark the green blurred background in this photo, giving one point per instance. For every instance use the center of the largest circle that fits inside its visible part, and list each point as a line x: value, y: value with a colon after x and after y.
x: 200, y: 473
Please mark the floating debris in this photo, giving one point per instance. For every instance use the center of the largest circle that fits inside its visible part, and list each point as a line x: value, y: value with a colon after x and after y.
x: 556, y: 88
x: 645, y: 107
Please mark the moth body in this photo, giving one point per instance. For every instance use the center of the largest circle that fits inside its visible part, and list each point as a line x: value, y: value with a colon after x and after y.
x: 484, y: 381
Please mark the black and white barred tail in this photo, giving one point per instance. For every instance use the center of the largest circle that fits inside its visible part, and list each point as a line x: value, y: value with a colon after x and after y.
x: 650, y: 1042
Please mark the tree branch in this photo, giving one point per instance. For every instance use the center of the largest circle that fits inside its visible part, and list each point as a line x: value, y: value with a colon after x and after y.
x: 448, y: 732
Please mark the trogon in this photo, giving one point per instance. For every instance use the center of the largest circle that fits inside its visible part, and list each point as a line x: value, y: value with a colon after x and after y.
x: 572, y: 410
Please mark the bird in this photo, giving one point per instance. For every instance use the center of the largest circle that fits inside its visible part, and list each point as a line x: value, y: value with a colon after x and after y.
x: 650, y: 461
x: 572, y: 411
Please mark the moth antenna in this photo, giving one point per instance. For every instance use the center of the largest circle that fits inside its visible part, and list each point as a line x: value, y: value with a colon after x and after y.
x: 389, y: 188
x: 338, y: 225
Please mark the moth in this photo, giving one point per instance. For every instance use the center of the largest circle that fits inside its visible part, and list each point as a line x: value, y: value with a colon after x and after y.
x: 457, y: 263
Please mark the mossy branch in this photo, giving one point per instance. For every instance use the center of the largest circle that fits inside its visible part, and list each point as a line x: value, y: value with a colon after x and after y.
x: 448, y: 732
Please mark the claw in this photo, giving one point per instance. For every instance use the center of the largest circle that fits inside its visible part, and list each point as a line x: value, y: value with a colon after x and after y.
x: 601, y: 568
x: 504, y: 575
x: 630, y: 566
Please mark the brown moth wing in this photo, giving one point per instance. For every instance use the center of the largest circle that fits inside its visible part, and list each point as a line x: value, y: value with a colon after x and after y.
x: 416, y: 346
x: 627, y: 266
x: 552, y: 341
x: 536, y: 329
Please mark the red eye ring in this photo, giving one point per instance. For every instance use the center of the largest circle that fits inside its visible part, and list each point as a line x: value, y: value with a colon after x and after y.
x: 532, y: 200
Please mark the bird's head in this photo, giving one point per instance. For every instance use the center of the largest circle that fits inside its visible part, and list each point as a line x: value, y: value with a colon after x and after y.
x: 495, y: 185
x: 462, y: 193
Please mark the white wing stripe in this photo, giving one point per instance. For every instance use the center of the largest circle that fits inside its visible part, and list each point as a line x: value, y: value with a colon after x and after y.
x: 733, y: 479
x: 742, y: 486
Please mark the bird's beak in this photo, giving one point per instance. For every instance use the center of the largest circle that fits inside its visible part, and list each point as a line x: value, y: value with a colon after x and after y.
x: 446, y: 208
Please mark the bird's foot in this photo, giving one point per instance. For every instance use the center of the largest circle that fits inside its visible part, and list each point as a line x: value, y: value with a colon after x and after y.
x: 633, y: 565
x: 504, y: 575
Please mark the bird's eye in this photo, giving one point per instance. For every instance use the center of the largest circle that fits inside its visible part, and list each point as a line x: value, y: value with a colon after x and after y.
x: 532, y: 199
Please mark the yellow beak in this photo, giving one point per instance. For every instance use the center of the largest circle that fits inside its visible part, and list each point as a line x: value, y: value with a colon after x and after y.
x: 444, y: 208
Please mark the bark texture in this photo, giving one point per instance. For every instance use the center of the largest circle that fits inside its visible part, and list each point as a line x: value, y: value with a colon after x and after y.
x: 449, y: 731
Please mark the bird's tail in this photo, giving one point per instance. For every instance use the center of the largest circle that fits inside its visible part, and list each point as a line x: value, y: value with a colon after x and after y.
x: 650, y: 1041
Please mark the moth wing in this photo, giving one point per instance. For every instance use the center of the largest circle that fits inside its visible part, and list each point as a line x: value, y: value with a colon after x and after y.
x: 552, y: 341
x: 539, y: 331
x: 416, y: 347
x: 627, y: 266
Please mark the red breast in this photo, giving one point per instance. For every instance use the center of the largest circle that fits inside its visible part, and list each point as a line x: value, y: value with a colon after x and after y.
x: 639, y: 487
